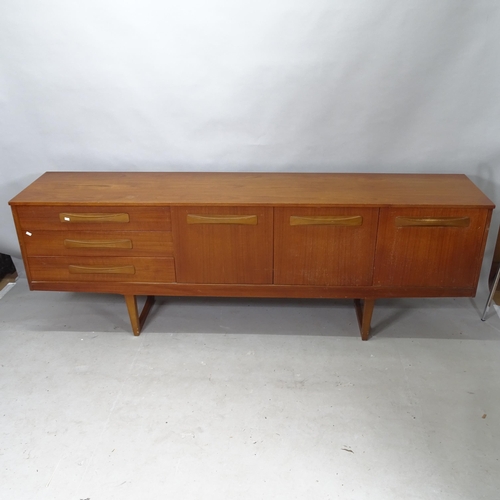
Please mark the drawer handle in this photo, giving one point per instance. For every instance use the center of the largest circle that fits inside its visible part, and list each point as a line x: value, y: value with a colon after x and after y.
x: 249, y: 220
x: 101, y: 270
x: 98, y: 243
x: 433, y: 221
x: 330, y: 220
x: 90, y: 218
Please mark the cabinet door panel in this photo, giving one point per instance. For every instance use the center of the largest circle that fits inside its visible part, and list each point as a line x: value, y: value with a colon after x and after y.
x: 431, y: 247
x: 223, y: 244
x: 324, y: 246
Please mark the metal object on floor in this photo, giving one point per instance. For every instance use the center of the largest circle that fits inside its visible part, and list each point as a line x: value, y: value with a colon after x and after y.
x: 494, y: 278
x: 8, y: 274
x: 491, y: 295
x: 6, y: 266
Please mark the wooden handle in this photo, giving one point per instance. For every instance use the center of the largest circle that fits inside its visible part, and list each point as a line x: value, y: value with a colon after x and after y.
x: 98, y: 243
x: 330, y: 220
x: 433, y: 221
x: 249, y: 220
x: 90, y: 218
x: 101, y: 270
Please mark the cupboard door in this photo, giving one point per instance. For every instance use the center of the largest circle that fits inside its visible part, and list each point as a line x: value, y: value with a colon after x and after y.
x: 223, y: 244
x: 324, y: 246
x: 431, y: 247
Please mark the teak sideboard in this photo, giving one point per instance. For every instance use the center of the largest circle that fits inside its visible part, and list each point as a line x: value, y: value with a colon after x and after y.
x: 357, y: 236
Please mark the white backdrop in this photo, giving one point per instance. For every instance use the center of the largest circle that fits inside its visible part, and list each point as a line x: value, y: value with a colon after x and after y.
x: 271, y: 85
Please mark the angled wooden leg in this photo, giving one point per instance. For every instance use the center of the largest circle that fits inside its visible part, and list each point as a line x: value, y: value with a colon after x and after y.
x: 364, y: 313
x: 136, y: 320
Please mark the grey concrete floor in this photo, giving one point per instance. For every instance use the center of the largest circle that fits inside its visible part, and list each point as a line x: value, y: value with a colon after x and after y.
x: 247, y: 399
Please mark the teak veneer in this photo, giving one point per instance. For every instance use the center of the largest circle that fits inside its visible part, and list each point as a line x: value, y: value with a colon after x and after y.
x: 357, y: 236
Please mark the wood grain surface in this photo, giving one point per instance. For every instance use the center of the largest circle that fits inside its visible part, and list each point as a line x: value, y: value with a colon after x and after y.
x: 239, y: 188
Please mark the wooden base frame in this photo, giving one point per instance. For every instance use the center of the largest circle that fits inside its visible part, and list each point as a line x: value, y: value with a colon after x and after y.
x: 364, y: 312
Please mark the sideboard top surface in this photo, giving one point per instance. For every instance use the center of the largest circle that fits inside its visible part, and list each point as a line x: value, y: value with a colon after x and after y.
x: 240, y: 188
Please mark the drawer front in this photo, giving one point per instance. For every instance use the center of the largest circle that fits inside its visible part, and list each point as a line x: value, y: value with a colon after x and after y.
x: 122, y: 269
x: 65, y: 218
x: 223, y: 244
x: 430, y: 247
x: 118, y: 243
x: 324, y: 246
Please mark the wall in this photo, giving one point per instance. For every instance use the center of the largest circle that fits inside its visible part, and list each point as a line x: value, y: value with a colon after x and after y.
x: 299, y: 85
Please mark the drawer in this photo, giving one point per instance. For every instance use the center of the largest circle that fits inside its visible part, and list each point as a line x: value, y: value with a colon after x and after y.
x: 324, y: 246
x: 123, y: 269
x: 118, y: 243
x: 430, y: 247
x: 104, y: 218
